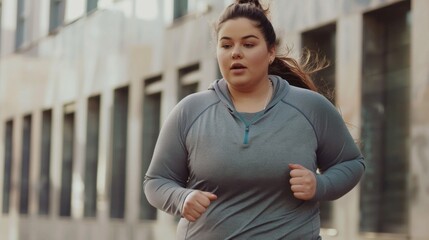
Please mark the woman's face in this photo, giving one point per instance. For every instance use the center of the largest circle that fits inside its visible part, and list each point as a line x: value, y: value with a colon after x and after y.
x: 243, y: 54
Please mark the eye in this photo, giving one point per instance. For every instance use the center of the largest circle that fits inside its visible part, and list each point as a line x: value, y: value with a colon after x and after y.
x: 226, y: 46
x: 248, y: 45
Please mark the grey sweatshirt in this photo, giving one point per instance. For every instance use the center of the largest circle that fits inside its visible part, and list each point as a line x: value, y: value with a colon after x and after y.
x: 206, y: 144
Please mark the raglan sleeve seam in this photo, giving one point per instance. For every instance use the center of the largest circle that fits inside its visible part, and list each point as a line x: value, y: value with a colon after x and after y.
x: 306, y: 118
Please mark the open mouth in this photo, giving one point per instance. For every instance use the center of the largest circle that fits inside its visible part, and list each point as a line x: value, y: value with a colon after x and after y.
x: 237, y: 66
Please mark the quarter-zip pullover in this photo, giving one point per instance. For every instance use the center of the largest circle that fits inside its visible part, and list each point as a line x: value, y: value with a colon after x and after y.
x: 206, y: 144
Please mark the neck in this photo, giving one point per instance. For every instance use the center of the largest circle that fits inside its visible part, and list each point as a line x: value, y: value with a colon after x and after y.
x: 252, y: 101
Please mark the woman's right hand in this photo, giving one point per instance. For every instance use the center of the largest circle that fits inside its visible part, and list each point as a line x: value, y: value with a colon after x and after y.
x: 196, y: 203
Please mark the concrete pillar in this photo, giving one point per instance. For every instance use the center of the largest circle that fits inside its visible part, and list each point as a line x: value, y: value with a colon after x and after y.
x: 419, y: 134
x: 348, y: 95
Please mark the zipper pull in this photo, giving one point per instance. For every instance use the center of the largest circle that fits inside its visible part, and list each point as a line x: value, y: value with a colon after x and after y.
x: 246, y: 135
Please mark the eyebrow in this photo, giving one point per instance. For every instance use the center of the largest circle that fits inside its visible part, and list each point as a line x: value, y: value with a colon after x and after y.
x: 245, y: 37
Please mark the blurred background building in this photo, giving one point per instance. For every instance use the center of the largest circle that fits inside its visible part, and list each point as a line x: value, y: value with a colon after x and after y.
x: 86, y: 84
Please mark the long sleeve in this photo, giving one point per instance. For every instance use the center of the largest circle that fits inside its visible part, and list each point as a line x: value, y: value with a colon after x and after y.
x: 339, y: 179
x: 166, y: 180
x: 166, y: 177
x: 338, y: 158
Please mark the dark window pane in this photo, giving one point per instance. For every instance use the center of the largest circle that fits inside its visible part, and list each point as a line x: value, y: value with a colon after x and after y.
x: 8, y: 157
x: 91, y: 5
x: 57, y: 11
x: 45, y: 163
x: 321, y: 41
x: 91, y: 164
x: 151, y: 126
x: 180, y: 8
x: 67, y: 164
x: 25, y: 165
x: 185, y: 87
x: 385, y: 111
x: 119, y: 153
x: 20, y: 24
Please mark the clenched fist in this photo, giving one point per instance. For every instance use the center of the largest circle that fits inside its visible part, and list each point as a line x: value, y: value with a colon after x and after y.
x: 196, y: 203
x: 303, y: 182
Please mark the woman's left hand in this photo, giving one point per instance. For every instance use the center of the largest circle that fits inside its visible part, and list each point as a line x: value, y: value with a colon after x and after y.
x: 303, y: 182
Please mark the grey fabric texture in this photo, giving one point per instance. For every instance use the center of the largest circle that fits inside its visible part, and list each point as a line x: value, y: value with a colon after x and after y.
x: 206, y: 144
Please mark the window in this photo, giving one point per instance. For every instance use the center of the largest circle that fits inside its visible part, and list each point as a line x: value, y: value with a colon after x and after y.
x: 25, y: 165
x: 180, y: 8
x: 91, y: 5
x: 119, y: 153
x: 185, y: 7
x: 91, y: 162
x: 188, y: 80
x: 151, y: 126
x: 45, y: 163
x: 56, y: 17
x: 67, y: 161
x: 322, y: 41
x: 20, y: 24
x: 8, y: 157
x: 385, y: 111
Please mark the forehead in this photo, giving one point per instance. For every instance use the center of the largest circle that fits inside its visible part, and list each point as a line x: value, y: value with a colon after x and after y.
x: 237, y: 28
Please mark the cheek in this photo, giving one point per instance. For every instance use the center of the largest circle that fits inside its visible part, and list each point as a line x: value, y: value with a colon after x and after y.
x: 259, y: 57
x: 222, y: 60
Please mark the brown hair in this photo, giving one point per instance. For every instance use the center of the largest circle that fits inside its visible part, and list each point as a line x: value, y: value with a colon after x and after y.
x: 286, y: 67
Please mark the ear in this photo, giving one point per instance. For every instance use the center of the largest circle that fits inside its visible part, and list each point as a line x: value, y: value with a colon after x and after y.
x: 272, y: 54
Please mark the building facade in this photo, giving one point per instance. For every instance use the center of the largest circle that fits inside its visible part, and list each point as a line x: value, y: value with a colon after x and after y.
x: 86, y: 84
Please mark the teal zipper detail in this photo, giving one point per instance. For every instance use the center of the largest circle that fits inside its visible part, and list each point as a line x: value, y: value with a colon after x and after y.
x: 246, y: 135
x: 247, y: 125
x: 246, y: 128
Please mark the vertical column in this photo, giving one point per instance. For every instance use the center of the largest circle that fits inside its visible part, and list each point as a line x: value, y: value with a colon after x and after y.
x: 77, y: 201
x: 35, y: 163
x: 133, y: 162
x: 348, y: 95
x: 56, y: 151
x: 104, y: 158
x: 419, y: 145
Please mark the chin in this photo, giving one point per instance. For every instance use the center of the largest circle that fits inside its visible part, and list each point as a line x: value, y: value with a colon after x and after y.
x: 242, y: 83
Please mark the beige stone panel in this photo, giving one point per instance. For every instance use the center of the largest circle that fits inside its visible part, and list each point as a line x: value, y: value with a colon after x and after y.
x: 25, y: 84
x: 56, y: 158
x: 133, y: 167
x: 104, y: 158
x: 77, y: 196
x: 419, y: 142
x: 304, y: 14
x: 348, y: 95
x: 33, y: 200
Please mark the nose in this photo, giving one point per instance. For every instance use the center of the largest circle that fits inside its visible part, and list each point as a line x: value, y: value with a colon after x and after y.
x: 236, y: 53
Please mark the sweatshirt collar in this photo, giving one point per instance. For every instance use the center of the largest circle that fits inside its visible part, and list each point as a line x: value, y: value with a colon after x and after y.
x: 281, y: 88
